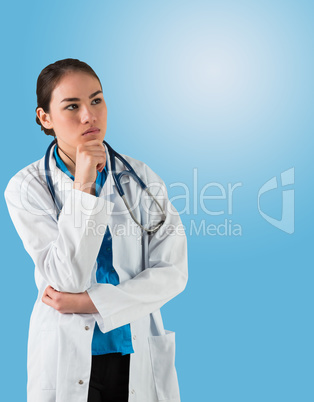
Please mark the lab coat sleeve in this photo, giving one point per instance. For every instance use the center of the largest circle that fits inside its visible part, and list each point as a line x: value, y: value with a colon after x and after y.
x: 164, y: 276
x: 65, y: 250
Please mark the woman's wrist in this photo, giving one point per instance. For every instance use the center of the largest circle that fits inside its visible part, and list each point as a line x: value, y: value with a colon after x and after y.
x: 86, y: 306
x: 86, y: 188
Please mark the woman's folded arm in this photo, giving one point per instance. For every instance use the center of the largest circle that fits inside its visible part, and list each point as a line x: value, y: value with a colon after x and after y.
x: 64, y: 250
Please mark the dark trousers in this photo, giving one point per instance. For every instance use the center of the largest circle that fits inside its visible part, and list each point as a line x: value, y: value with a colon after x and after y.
x: 109, y: 380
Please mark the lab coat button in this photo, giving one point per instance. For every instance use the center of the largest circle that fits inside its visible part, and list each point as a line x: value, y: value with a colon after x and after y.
x: 87, y: 327
x: 81, y: 382
x: 134, y: 337
x: 133, y: 391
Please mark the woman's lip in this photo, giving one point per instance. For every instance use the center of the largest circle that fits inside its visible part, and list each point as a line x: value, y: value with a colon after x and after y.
x: 92, y: 132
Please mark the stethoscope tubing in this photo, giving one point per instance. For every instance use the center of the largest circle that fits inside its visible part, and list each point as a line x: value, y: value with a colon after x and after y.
x: 116, y: 177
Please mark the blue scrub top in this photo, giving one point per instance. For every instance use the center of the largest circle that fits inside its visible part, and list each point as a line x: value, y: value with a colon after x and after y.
x: 118, y: 340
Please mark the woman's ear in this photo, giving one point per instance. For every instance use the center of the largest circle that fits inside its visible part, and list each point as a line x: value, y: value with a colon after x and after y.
x: 44, y: 118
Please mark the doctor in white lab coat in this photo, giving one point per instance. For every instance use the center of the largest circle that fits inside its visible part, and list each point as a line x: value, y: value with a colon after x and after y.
x: 152, y: 268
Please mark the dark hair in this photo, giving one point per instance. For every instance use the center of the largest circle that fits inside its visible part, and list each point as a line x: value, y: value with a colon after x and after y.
x: 50, y: 77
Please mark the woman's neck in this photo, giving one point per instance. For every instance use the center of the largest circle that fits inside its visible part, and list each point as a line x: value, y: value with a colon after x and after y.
x: 66, y: 159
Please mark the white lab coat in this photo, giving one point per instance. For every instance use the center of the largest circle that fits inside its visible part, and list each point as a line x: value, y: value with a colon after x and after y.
x: 152, y: 270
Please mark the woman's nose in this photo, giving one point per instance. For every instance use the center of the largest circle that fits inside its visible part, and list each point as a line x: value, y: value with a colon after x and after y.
x: 87, y: 114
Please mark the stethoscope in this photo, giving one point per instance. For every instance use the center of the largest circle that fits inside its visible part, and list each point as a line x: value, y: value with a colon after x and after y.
x: 116, y: 177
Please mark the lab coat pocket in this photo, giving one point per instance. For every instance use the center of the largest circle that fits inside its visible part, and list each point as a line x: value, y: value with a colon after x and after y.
x: 48, y: 358
x: 162, y: 352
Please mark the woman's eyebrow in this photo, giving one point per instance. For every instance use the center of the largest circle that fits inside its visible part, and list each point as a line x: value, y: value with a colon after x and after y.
x: 78, y: 99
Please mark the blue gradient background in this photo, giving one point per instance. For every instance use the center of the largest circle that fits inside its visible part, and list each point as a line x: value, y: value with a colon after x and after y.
x: 222, y: 87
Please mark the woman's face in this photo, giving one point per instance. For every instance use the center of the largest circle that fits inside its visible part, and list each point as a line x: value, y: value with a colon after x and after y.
x: 70, y: 118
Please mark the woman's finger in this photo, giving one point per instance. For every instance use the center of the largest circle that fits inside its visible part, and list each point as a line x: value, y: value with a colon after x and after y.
x: 50, y: 291
x: 47, y: 300
x: 100, y: 167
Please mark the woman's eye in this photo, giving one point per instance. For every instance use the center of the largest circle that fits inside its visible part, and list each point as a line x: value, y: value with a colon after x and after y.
x: 98, y: 99
x: 70, y: 107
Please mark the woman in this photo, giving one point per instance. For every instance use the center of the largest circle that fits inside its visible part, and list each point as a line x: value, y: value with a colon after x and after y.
x: 96, y: 332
